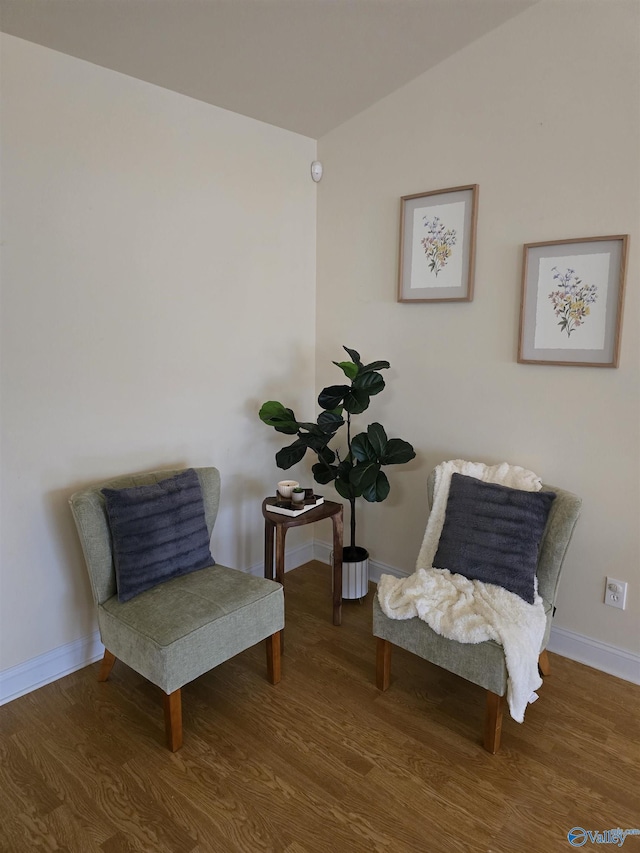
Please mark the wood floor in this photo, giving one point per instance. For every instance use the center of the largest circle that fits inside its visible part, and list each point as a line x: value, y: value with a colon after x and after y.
x: 322, y: 762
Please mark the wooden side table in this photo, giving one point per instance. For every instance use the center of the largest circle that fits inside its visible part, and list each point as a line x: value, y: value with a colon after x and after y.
x: 275, y: 523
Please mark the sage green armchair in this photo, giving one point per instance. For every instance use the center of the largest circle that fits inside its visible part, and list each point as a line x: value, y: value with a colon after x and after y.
x: 180, y: 629
x: 482, y: 663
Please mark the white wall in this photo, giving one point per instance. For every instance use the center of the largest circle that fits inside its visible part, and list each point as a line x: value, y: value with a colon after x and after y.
x: 154, y: 249
x: 544, y: 114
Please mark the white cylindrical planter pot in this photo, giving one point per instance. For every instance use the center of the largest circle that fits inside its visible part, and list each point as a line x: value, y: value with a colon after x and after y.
x: 355, y: 573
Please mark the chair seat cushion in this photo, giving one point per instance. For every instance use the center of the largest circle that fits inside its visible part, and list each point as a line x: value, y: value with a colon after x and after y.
x: 158, y: 532
x: 174, y: 632
x: 492, y: 533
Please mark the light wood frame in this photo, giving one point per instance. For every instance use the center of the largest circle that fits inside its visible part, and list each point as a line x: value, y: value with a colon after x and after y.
x: 453, y: 256
x: 596, y: 263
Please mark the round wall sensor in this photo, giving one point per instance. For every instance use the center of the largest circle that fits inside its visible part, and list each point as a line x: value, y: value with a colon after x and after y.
x: 316, y: 170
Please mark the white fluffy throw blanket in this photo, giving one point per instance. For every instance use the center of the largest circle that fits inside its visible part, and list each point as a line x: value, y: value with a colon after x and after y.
x: 472, y: 611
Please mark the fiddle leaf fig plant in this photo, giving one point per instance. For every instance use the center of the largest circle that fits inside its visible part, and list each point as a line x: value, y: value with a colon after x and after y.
x: 355, y: 469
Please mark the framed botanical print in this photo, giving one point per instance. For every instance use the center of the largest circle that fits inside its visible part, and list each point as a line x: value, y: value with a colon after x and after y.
x: 437, y: 245
x: 572, y: 299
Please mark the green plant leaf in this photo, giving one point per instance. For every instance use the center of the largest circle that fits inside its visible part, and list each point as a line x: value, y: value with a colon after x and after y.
x: 375, y: 365
x: 372, y: 383
x: 324, y: 474
x: 332, y: 396
x: 378, y: 439
x: 356, y: 401
x: 379, y: 490
x: 281, y: 419
x: 315, y: 442
x: 349, y: 369
x: 364, y: 474
x: 397, y: 452
x: 288, y: 456
x: 330, y: 422
x: 343, y: 483
x: 370, y: 446
x: 326, y: 455
x: 346, y: 490
x: 362, y: 449
x: 353, y: 355
x: 344, y: 468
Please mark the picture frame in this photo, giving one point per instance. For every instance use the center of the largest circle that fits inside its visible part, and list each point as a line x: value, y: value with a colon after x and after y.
x: 438, y: 245
x: 572, y: 301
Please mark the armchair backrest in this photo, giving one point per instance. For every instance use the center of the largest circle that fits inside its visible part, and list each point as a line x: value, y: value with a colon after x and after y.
x: 563, y: 515
x: 561, y: 522
x: 90, y: 515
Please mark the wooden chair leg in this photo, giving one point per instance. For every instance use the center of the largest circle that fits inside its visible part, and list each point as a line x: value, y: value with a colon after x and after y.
x: 493, y: 722
x: 273, y: 658
x: 543, y: 663
x: 383, y: 664
x: 173, y: 719
x: 106, y: 666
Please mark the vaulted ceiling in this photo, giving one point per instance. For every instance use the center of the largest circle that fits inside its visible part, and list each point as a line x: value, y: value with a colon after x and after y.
x: 303, y: 65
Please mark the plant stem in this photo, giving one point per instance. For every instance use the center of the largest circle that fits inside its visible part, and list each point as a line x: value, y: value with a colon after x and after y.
x: 352, y: 505
x: 352, y: 501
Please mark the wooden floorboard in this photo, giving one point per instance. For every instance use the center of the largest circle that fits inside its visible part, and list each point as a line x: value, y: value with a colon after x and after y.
x: 322, y: 762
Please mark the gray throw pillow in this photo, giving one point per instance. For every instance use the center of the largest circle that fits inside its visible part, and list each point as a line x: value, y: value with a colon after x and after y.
x: 158, y: 532
x: 492, y: 533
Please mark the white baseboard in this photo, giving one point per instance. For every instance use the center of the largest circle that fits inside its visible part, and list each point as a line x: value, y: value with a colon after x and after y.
x: 603, y: 656
x: 48, y: 667
x: 43, y: 669
x: 322, y: 551
x: 595, y: 653
x: 293, y: 558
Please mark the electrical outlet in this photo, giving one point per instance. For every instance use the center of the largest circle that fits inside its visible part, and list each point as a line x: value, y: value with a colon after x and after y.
x: 615, y: 593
